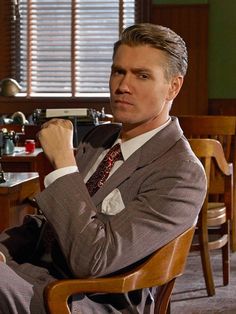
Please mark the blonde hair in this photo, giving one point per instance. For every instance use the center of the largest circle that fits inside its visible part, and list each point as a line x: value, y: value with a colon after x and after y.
x: 159, y: 37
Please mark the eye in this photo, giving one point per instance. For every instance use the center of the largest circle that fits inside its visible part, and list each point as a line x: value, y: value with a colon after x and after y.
x: 143, y: 76
x: 117, y: 71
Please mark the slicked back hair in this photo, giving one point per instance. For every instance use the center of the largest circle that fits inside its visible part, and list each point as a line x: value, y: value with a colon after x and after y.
x: 159, y: 37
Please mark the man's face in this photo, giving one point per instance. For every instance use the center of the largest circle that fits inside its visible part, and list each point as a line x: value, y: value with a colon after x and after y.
x: 141, y: 95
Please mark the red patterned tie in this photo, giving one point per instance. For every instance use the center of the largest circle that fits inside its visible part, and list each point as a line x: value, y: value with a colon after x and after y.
x: 103, y: 169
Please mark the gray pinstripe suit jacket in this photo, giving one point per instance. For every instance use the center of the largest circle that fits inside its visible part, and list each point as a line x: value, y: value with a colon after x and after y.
x: 162, y: 186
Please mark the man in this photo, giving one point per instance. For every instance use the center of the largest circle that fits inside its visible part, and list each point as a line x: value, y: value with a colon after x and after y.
x: 152, y: 194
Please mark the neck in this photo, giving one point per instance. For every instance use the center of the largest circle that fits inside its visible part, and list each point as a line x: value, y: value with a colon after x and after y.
x: 130, y: 131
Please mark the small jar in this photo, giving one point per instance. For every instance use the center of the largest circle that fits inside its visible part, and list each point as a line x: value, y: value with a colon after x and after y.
x: 9, y: 146
x: 29, y: 146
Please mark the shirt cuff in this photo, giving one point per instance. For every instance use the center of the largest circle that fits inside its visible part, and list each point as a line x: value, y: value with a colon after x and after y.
x: 52, y: 176
x: 3, y: 257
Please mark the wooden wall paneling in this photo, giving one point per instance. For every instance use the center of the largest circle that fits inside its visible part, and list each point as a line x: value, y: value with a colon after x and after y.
x: 225, y: 107
x: 190, y: 22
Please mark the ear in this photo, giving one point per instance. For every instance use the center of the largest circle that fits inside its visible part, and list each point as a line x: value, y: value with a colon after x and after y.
x: 176, y: 83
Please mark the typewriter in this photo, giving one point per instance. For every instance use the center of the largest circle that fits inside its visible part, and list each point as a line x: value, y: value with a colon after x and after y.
x: 83, y: 119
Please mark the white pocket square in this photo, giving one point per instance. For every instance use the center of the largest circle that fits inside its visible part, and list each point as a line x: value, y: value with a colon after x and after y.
x: 113, y: 203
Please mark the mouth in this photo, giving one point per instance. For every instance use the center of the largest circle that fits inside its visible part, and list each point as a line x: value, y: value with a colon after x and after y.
x: 122, y: 102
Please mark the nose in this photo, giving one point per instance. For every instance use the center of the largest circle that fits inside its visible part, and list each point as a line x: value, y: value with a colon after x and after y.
x: 124, y: 84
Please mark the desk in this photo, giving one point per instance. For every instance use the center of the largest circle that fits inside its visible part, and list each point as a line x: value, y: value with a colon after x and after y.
x: 13, y: 192
x: 20, y: 161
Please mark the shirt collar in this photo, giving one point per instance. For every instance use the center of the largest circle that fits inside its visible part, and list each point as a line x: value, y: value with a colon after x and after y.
x: 130, y: 146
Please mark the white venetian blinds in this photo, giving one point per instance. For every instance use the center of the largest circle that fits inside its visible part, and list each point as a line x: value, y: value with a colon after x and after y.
x: 64, y: 47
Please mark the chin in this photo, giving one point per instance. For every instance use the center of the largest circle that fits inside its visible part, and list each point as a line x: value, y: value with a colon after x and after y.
x: 122, y: 119
x: 122, y: 116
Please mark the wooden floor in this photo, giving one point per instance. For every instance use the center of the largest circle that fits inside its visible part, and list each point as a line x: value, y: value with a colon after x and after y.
x: 190, y: 297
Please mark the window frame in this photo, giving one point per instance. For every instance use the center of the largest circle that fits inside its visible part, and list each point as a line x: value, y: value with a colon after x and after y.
x: 8, y: 11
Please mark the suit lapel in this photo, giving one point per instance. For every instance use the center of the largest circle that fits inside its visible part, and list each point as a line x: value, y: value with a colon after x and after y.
x: 151, y: 150
x: 86, y: 162
x: 94, y: 145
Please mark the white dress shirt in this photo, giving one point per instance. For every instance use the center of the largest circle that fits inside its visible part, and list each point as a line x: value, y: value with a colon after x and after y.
x: 127, y: 149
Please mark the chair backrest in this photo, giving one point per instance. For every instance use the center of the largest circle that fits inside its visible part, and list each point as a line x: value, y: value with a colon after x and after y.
x: 213, y: 221
x: 222, y: 108
x: 160, y: 269
x: 221, y: 128
x: 210, y: 151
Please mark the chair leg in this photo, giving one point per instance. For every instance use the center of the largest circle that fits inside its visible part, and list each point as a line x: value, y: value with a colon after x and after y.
x: 168, y: 309
x: 206, y: 263
x: 162, y: 304
x: 226, y: 256
x: 233, y: 228
x: 233, y: 222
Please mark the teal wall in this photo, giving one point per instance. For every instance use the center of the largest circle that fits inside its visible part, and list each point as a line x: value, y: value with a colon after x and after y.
x: 222, y: 45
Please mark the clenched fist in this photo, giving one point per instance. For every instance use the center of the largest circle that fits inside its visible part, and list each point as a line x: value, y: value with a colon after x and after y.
x: 56, y: 138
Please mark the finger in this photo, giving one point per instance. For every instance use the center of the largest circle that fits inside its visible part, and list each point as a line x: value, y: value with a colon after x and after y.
x: 65, y: 123
x: 49, y: 122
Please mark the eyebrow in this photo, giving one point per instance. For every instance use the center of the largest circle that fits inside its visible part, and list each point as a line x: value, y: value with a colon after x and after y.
x: 134, y: 70
x: 139, y: 70
x: 115, y: 67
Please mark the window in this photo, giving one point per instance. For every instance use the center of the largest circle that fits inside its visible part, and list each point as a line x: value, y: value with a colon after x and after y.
x: 64, y: 47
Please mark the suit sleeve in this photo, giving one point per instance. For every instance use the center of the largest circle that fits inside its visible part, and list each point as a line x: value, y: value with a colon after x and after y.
x: 165, y: 203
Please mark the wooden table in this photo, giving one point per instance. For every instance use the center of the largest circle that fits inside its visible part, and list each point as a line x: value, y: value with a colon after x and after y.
x: 20, y: 161
x: 13, y: 192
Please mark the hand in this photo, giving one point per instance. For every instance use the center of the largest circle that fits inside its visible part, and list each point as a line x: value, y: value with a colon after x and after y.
x: 56, y: 138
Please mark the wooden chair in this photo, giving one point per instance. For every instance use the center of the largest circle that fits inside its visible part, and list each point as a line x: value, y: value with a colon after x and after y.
x: 213, y: 229
x: 222, y: 108
x: 161, y: 269
x: 223, y: 129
